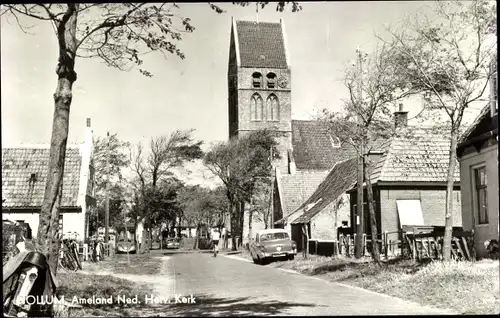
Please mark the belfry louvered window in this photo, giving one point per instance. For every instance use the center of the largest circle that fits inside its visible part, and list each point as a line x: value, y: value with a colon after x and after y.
x: 257, y: 80
x: 271, y: 80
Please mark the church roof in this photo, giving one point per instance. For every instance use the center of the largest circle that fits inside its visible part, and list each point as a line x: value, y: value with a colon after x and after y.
x: 261, y: 44
x: 24, y: 174
x: 313, y: 148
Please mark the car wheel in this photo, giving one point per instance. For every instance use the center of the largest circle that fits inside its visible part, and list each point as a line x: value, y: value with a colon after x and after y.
x: 291, y: 257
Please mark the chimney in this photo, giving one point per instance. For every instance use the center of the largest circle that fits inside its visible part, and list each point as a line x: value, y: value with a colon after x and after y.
x: 400, y: 117
x: 88, y: 122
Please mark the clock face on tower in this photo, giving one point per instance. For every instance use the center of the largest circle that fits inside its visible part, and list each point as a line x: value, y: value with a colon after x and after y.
x: 282, y: 82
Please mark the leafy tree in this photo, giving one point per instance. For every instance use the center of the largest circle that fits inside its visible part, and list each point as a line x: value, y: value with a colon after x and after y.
x: 118, y: 160
x: 119, y: 34
x: 260, y: 205
x: 448, y: 57
x: 239, y: 164
x: 365, y: 122
x: 195, y: 204
x: 165, y: 153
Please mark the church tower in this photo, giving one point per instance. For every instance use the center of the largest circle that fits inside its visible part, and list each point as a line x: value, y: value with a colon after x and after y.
x: 259, y: 83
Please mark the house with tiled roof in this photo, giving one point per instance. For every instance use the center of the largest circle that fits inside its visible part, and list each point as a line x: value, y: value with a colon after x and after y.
x: 477, y: 154
x: 327, y: 208
x: 24, y: 175
x: 409, y: 181
x: 259, y: 97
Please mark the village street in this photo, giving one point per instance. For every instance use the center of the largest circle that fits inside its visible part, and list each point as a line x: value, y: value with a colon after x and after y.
x: 228, y: 286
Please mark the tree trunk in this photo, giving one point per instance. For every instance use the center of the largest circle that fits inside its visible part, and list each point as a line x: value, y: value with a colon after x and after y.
x: 241, y: 217
x: 150, y: 238
x: 448, y: 219
x: 143, y: 238
x: 234, y: 225
x: 250, y: 216
x: 371, y: 210
x: 136, y: 242
x: 48, y: 240
x: 197, y: 238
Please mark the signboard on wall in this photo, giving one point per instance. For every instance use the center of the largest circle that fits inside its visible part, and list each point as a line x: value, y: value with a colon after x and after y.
x: 410, y: 212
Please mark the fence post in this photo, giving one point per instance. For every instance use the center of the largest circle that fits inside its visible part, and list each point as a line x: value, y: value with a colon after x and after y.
x: 363, y: 246
x: 385, y: 246
x: 348, y: 244
x: 316, y: 247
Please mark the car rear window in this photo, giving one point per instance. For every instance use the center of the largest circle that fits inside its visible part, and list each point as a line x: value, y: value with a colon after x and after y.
x: 273, y: 236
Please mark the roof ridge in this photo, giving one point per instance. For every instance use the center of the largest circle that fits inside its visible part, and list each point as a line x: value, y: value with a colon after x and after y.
x: 258, y: 22
x: 41, y: 146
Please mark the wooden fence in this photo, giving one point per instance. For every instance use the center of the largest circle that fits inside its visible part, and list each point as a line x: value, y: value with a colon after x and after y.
x: 417, y: 242
x: 427, y: 242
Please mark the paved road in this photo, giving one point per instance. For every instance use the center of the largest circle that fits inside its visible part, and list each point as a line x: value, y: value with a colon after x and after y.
x: 228, y: 286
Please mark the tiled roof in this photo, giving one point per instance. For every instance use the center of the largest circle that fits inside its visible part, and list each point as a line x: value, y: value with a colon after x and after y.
x: 261, y: 44
x: 483, y: 114
x: 340, y: 179
x: 18, y: 165
x: 313, y: 148
x: 421, y: 155
x: 296, y: 188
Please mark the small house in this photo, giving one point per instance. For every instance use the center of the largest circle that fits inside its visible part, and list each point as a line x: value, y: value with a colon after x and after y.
x: 478, y: 157
x: 327, y: 208
x: 24, y: 175
x: 409, y: 181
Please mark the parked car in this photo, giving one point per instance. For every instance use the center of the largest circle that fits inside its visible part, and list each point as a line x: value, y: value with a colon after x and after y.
x: 172, y: 243
x: 270, y: 244
x: 124, y: 246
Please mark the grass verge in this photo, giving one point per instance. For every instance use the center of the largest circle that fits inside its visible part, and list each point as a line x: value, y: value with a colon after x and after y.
x: 86, y: 286
x: 463, y: 287
x: 141, y: 264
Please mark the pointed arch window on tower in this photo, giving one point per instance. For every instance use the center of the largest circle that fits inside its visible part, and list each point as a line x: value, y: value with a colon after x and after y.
x: 273, y: 108
x: 271, y: 80
x: 257, y: 80
x: 256, y: 107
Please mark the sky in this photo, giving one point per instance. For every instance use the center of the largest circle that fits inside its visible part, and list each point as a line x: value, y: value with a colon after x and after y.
x: 190, y: 93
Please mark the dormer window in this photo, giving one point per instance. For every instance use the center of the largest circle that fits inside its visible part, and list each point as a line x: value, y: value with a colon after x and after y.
x: 335, y: 141
x: 271, y: 80
x: 257, y: 80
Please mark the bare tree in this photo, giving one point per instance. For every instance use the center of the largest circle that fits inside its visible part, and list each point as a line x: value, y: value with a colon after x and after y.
x: 365, y: 123
x: 447, y: 55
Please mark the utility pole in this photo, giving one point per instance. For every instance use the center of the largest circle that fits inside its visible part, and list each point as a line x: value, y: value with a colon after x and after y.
x: 106, y: 219
x: 359, y: 205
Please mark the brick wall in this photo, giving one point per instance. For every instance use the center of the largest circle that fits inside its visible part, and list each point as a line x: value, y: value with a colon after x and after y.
x: 432, y: 203
x: 243, y: 98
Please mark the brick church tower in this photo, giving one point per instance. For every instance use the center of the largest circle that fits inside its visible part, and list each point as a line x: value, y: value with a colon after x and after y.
x: 259, y: 83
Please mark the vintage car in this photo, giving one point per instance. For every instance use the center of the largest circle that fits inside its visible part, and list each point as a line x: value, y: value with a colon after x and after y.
x: 125, y: 246
x: 172, y: 243
x: 270, y: 244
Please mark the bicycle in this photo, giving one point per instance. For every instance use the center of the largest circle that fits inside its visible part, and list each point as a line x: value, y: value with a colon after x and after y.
x: 70, y: 259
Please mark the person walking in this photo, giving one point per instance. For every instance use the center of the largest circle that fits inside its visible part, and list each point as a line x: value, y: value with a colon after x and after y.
x: 215, y: 241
